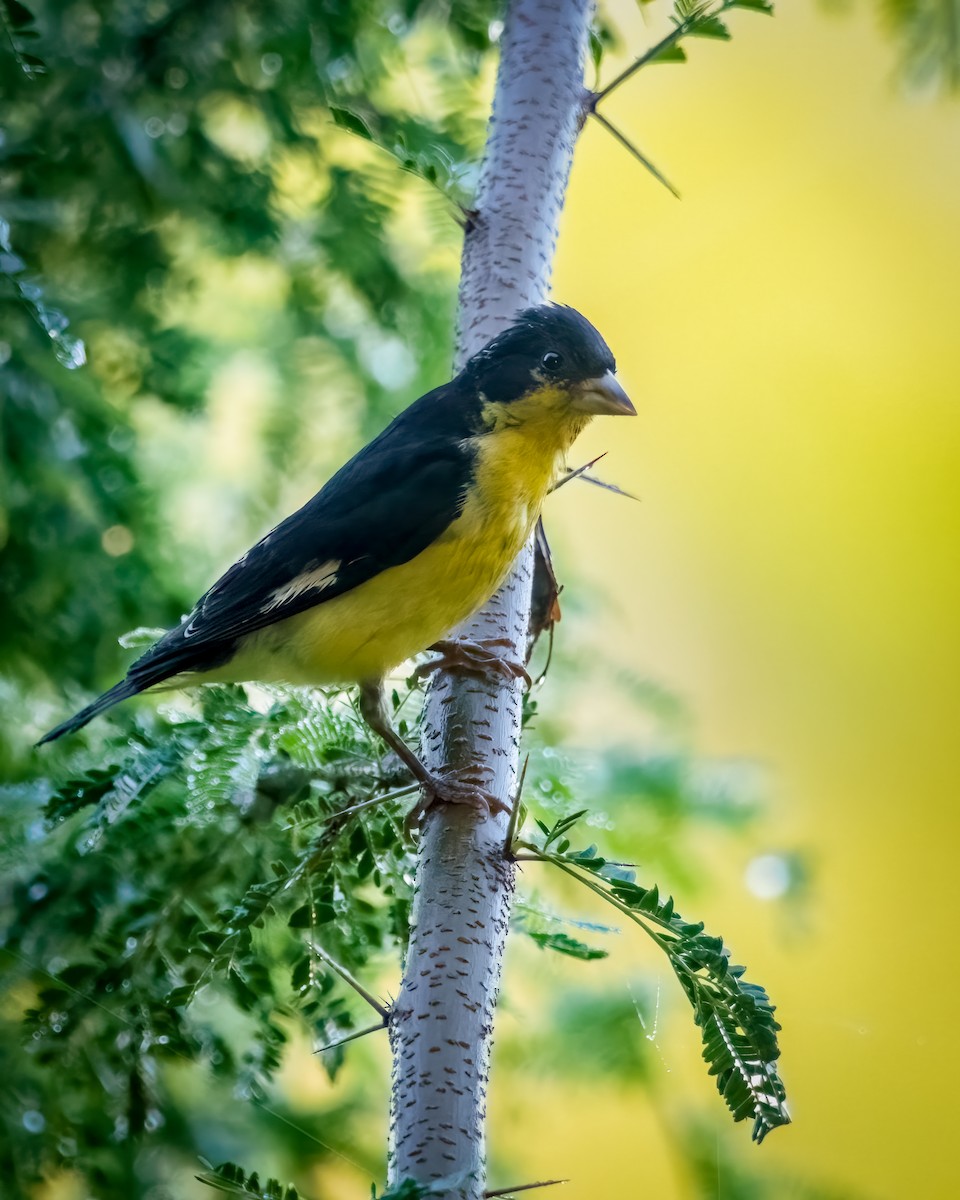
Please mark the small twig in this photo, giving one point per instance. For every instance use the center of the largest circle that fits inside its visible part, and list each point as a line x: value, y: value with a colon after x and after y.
x: 534, y: 855
x: 349, y: 979
x: 570, y: 475
x: 703, y: 14
x: 328, y: 818
x: 384, y: 799
x: 546, y: 666
x: 581, y: 473
x: 515, y: 811
x: 21, y: 62
x: 524, y: 1187
x: 610, y: 487
x: 664, y: 44
x: 637, y: 154
x: 351, y: 1037
x: 629, y: 913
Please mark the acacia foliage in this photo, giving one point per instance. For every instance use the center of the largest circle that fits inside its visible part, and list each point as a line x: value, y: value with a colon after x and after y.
x: 169, y: 915
x: 169, y: 918
x: 156, y: 160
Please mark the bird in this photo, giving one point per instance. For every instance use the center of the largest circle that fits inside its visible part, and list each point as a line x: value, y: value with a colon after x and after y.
x: 405, y: 541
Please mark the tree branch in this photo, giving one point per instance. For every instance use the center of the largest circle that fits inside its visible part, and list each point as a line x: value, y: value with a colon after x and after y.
x: 442, y: 1024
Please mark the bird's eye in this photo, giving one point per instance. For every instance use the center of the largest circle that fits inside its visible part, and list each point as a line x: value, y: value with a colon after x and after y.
x: 551, y: 361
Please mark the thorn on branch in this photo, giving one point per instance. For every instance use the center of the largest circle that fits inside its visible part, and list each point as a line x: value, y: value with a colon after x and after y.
x: 524, y: 1187
x: 608, y: 487
x: 352, y: 1037
x: 571, y: 475
x: 515, y: 812
x: 349, y: 979
x: 581, y: 473
x: 469, y: 218
x: 588, y: 105
x: 637, y: 154
x: 690, y: 19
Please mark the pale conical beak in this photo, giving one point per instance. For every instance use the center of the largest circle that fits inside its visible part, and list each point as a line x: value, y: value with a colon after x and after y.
x: 603, y: 396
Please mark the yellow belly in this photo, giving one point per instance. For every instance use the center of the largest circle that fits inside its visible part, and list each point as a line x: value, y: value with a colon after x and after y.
x: 366, y: 632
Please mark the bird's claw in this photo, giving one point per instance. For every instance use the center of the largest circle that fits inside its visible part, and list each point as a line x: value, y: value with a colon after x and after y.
x: 474, y: 658
x: 444, y: 789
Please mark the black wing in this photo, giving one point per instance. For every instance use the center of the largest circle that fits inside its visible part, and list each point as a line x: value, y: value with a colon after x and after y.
x: 383, y: 508
x: 390, y: 502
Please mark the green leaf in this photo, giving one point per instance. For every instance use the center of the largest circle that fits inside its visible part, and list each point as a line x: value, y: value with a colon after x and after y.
x: 670, y: 54
x: 19, y: 15
x: 613, y: 872
x: 79, y: 793
x: 302, y: 918
x: 710, y: 27
x: 180, y: 996
x: 685, y: 11
x: 761, y: 6
x: 738, y: 1028
x: 596, y: 49
x: 11, y: 264
x: 350, y: 121
x: 563, y: 944
x: 561, y: 826
x: 232, y: 1180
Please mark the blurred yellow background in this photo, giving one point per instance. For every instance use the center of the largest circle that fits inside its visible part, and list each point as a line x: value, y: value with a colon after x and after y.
x: 789, y: 332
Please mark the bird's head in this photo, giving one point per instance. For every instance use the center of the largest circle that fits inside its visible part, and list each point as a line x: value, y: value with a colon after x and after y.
x: 551, y: 356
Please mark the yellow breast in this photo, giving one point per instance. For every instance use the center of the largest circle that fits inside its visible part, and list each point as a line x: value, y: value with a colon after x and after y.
x: 363, y: 633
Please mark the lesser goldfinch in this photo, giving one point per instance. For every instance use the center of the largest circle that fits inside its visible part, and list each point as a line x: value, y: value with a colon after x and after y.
x: 406, y: 540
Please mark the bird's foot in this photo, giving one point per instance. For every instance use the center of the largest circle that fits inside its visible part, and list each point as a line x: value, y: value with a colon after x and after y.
x: 474, y: 658
x: 446, y: 789
x: 449, y: 790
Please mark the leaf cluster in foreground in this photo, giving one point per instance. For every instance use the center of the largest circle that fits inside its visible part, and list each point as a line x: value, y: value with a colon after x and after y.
x: 735, y: 1016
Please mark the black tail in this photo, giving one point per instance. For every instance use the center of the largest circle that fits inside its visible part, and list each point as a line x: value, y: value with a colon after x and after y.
x: 120, y: 691
x: 173, y: 655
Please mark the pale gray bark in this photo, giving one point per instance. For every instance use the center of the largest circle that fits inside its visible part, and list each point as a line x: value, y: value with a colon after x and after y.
x: 442, y: 1023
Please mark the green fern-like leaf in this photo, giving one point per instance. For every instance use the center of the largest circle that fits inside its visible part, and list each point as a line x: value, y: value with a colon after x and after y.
x: 709, y: 26
x: 735, y: 1017
x: 234, y: 1181
x: 749, y: 1085
x: 114, y: 790
x: 669, y: 54
x: 562, y: 943
x: 70, y: 350
x: 686, y: 12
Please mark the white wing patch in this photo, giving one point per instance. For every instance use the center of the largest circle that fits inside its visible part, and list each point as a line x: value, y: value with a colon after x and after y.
x: 315, y: 580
